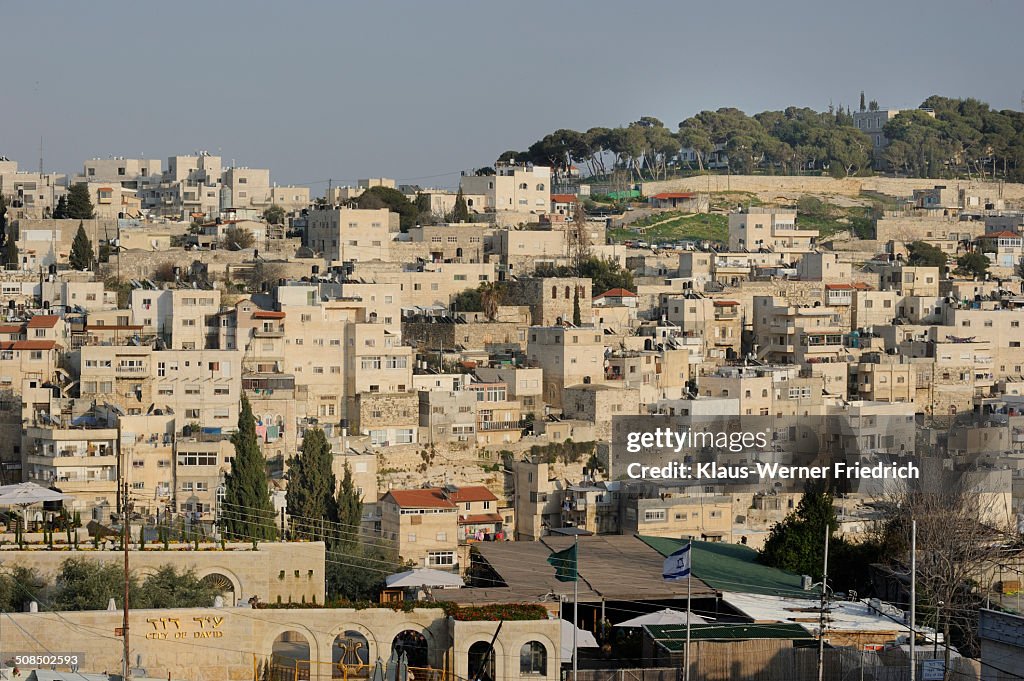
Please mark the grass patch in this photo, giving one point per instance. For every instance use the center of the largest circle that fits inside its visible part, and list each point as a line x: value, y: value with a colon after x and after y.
x: 674, y: 226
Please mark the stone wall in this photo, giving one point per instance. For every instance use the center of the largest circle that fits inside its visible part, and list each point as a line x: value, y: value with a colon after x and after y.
x: 214, y: 644
x: 250, y: 572
x: 426, y: 336
x: 789, y: 187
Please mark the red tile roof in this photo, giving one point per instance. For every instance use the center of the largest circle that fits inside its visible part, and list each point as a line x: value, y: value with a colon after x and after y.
x: 617, y: 293
x: 420, y: 498
x: 267, y: 314
x: 475, y: 493
x: 43, y: 321
x: 863, y: 286
x: 10, y: 329
x: 674, y: 195
x: 28, y: 345
x: 563, y: 198
x: 1000, y: 235
x: 725, y: 303
x: 838, y: 287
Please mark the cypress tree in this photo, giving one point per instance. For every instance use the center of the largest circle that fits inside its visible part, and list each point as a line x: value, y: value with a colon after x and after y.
x: 10, y: 247
x: 81, y: 250
x: 60, y: 211
x: 349, y: 508
x: 460, y: 212
x: 248, y: 513
x: 576, y: 313
x: 79, y: 204
x: 311, y: 485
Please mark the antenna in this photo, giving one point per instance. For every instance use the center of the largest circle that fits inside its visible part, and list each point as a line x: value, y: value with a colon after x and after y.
x: 41, y: 154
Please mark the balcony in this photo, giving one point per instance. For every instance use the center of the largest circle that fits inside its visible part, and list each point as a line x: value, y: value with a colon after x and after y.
x: 500, y: 425
x: 268, y: 333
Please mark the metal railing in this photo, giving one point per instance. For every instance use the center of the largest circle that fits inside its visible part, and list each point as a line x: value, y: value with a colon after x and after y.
x: 287, y: 669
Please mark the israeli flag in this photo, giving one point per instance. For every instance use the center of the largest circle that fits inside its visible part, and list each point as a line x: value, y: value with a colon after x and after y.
x: 677, y: 565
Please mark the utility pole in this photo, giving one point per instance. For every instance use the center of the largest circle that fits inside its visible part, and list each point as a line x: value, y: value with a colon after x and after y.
x: 913, y: 598
x: 125, y: 534
x: 822, y: 617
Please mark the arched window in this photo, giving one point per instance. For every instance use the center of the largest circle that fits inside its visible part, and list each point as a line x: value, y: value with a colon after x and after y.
x: 568, y: 293
x: 480, y: 661
x: 554, y: 292
x: 469, y: 203
x: 540, y: 187
x: 522, y: 185
x: 533, y: 658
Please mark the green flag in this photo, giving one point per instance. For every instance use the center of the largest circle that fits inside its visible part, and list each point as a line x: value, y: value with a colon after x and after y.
x: 564, y: 563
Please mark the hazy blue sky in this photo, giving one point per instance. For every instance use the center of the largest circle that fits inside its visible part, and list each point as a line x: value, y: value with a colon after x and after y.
x: 421, y: 90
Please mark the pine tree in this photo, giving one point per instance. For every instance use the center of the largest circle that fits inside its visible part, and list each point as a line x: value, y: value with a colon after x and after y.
x: 60, y: 211
x: 248, y: 513
x: 81, y: 250
x: 349, y: 508
x: 311, y: 485
x: 79, y: 204
x: 460, y: 212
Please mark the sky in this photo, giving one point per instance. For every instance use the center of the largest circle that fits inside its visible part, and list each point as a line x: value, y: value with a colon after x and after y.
x: 421, y: 90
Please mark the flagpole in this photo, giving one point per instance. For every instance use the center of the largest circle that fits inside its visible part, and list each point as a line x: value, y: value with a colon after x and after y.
x: 686, y: 662
x: 575, y: 602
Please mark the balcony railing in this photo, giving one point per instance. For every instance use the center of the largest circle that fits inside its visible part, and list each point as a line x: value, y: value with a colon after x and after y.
x: 501, y: 425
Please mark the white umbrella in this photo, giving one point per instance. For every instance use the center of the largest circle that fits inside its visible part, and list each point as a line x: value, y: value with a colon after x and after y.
x: 424, y: 577
x: 666, y: 616
x: 584, y: 639
x: 25, y: 494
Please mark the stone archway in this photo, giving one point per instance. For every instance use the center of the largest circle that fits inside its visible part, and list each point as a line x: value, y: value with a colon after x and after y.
x: 226, y: 580
x: 350, y: 655
x: 290, y: 656
x: 414, y: 644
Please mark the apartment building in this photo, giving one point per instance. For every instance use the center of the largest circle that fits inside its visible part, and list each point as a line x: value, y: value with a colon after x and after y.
x: 29, y: 194
x: 525, y: 385
x: 824, y: 266
x: 718, y: 322
x: 757, y: 229
x: 537, y: 501
x: 462, y: 242
x: 200, y: 466
x: 198, y: 386
x: 188, y: 189
x: 566, y: 356
x: 448, y: 415
x: 350, y: 234
x: 431, y: 284
x: 147, y: 450
x: 185, y: 318
x: 909, y: 280
x: 790, y: 334
x: 523, y: 188
x: 672, y: 514
x: 425, y: 525
x: 81, y: 461
x: 946, y: 232
x: 498, y: 417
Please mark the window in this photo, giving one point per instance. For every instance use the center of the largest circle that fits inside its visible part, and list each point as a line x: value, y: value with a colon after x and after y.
x: 533, y: 658
x: 654, y: 515
x: 440, y: 558
x: 197, y: 459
